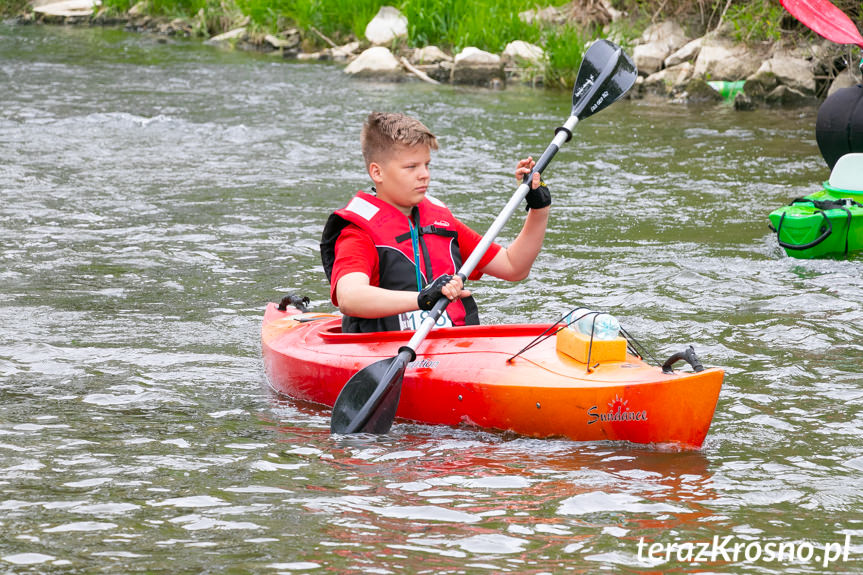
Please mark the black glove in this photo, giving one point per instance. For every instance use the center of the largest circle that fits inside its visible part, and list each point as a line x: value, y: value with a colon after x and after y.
x: 538, y: 197
x: 432, y: 292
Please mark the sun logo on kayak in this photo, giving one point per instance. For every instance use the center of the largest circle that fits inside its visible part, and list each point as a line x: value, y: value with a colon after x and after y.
x: 618, y: 404
x: 618, y: 410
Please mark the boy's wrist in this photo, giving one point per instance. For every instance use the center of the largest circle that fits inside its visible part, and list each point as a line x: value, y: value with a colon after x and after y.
x: 538, y: 197
x: 429, y: 295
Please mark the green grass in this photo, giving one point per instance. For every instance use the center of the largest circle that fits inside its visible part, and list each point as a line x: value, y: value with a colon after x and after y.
x: 455, y: 24
x: 337, y: 19
x: 12, y: 7
x: 564, y: 49
x: 756, y: 20
x: 451, y: 24
x: 117, y: 6
x: 486, y: 24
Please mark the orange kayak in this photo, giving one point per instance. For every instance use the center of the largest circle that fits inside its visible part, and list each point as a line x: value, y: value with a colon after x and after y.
x: 465, y: 375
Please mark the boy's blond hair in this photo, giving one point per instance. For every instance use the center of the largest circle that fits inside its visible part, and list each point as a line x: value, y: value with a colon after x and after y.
x: 383, y: 133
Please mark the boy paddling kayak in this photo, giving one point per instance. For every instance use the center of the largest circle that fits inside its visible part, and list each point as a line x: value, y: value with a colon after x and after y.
x: 392, y: 253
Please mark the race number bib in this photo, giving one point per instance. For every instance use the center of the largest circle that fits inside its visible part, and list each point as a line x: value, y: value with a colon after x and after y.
x: 412, y: 320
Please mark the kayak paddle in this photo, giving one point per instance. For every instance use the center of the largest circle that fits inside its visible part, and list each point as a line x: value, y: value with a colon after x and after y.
x: 825, y: 19
x: 368, y: 401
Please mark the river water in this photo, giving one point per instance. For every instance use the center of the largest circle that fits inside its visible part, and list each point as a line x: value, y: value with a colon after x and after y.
x: 155, y: 195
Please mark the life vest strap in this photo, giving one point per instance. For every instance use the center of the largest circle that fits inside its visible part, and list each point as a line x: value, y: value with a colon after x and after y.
x: 432, y: 229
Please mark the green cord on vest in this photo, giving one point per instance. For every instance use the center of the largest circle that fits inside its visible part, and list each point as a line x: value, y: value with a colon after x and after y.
x: 415, y: 240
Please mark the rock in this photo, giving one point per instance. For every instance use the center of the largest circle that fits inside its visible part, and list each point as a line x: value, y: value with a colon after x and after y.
x: 795, y: 73
x: 687, y: 53
x: 668, y: 80
x: 587, y: 13
x: 637, y: 89
x: 743, y: 102
x: 785, y: 96
x: 549, y: 15
x: 475, y: 57
x: 722, y: 60
x: 346, y: 52
x: 313, y: 56
x: 176, y: 27
x: 182, y: 27
x: 757, y: 86
x: 844, y: 80
x: 649, y: 58
x: 289, y: 39
x: 658, y: 43
x: 235, y: 34
x: 67, y: 8
x: 668, y: 32
x: 442, y: 71
x: 521, y: 53
x: 429, y: 55
x: 524, y: 62
x: 386, y: 26
x: 433, y: 62
x: 376, y: 62
x: 697, y: 90
x: 139, y: 9
x: 477, y: 67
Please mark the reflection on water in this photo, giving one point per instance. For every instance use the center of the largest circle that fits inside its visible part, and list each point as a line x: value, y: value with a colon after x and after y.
x: 156, y: 196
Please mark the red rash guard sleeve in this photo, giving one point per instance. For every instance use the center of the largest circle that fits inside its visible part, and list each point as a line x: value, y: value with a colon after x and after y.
x: 355, y: 252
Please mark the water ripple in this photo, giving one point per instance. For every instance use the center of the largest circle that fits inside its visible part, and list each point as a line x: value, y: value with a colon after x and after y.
x: 157, y: 195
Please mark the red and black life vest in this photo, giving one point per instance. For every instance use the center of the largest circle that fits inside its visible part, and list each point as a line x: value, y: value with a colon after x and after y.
x: 390, y: 232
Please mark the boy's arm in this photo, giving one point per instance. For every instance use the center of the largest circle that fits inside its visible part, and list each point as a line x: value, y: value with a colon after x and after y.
x: 358, y: 298
x: 514, y: 262
x: 352, y: 292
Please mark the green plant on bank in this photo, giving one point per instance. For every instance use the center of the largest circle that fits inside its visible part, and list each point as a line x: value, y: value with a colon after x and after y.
x: 564, y: 50
x: 486, y: 24
x: 12, y: 7
x: 756, y: 20
x: 173, y: 8
x: 336, y: 19
x: 177, y: 8
x: 116, y: 6
x: 216, y: 16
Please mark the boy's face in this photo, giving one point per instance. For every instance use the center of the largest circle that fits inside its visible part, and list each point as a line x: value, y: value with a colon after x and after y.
x: 403, y: 179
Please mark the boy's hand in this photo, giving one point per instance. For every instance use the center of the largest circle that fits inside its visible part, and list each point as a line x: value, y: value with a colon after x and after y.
x: 446, y: 285
x: 538, y: 197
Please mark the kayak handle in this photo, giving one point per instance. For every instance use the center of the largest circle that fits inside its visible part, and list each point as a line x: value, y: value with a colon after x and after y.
x: 687, y: 355
x: 299, y: 302
x: 811, y: 244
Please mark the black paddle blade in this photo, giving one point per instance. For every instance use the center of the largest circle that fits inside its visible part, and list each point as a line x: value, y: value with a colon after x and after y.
x: 605, y: 74
x: 368, y: 401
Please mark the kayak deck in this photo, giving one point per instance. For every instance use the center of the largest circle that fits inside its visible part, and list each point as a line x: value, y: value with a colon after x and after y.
x: 464, y: 375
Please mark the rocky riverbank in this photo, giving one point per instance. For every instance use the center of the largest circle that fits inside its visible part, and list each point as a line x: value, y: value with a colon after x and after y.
x: 798, y: 71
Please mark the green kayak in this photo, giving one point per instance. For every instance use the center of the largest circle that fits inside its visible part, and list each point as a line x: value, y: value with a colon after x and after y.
x: 828, y: 222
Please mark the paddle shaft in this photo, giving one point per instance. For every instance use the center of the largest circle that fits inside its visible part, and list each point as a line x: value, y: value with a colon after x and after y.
x: 479, y: 251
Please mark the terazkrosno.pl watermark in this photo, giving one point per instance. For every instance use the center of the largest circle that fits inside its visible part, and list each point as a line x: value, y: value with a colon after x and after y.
x: 728, y: 550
